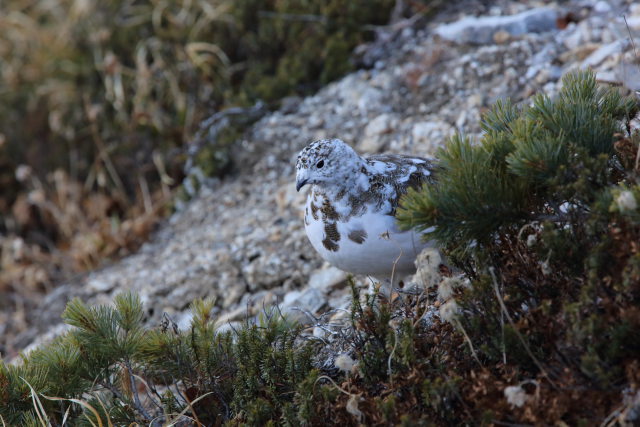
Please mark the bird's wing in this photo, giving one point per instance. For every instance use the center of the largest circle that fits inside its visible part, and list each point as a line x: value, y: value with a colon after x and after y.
x: 408, y: 171
x: 394, y: 174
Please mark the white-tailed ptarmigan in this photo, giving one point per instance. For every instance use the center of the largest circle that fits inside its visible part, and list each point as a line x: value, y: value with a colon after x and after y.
x: 350, y: 212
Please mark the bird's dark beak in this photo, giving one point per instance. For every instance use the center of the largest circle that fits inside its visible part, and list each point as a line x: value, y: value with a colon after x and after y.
x: 301, y: 183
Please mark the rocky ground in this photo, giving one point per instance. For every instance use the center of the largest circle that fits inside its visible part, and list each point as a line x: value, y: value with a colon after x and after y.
x: 241, y: 240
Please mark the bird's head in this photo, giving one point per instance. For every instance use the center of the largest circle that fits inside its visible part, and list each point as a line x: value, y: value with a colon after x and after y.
x: 326, y: 162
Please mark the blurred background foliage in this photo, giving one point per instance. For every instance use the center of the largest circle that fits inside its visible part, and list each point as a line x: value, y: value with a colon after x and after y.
x: 98, y: 101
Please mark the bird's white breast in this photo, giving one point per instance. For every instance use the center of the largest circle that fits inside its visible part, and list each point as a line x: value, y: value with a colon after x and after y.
x: 368, y: 244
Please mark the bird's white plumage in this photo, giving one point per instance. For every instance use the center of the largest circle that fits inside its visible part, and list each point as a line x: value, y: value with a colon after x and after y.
x: 350, y: 210
x: 384, y: 247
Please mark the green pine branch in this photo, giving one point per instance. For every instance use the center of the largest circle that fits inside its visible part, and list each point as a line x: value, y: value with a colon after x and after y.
x: 516, y: 172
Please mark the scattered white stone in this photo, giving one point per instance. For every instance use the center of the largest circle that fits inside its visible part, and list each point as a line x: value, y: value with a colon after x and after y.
x: 575, y: 35
x: 372, y: 142
x: 327, y: 278
x: 607, y: 77
x: 54, y: 331
x: 629, y: 74
x: 634, y: 22
x: 430, y: 134
x: 238, y: 314
x: 315, y: 121
x: 481, y: 30
x: 229, y: 327
x: 298, y: 305
x: 99, y: 285
x: 319, y: 332
x: 291, y: 298
x: 370, y: 100
x: 183, y: 320
x: 430, y: 315
x: 602, y: 7
x: 340, y: 300
x: 604, y: 52
x: 462, y: 119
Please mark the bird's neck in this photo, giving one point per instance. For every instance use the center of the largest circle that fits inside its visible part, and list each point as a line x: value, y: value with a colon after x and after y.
x: 350, y: 181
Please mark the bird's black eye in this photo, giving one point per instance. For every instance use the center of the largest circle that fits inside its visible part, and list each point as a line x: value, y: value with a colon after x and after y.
x: 320, y: 164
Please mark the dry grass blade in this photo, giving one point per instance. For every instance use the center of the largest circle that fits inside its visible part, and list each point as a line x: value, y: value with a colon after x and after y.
x: 613, y: 419
x: 390, y: 358
x: 633, y: 44
x: 190, y: 407
x: 104, y: 408
x: 467, y: 338
x: 37, y: 405
x: 197, y: 51
x: 83, y: 404
x: 520, y: 338
x: 637, y: 90
x: 66, y: 415
x: 176, y: 420
x: 324, y: 377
